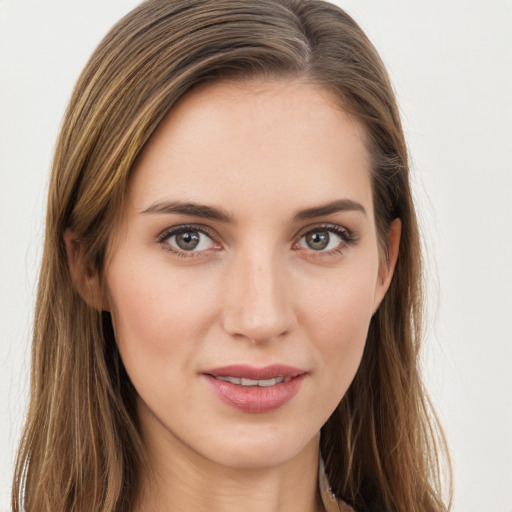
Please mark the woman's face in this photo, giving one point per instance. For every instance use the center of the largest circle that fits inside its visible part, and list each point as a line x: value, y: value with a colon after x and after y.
x: 243, y: 281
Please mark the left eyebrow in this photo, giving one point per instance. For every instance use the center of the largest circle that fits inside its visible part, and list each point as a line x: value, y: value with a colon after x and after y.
x: 341, y: 205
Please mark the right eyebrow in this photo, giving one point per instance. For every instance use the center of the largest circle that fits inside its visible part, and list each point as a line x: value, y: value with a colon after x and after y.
x: 190, y: 209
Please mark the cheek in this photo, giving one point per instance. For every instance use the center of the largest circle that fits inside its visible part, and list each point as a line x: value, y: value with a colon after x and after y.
x: 342, y: 308
x: 159, y: 316
x: 337, y: 320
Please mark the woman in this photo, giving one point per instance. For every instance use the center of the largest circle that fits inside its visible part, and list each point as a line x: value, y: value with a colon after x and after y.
x: 230, y: 295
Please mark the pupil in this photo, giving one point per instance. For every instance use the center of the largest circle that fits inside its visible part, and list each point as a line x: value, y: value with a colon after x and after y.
x: 188, y: 240
x: 318, y: 240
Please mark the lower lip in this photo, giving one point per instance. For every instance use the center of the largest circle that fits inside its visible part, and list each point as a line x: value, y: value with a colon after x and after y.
x: 255, y: 398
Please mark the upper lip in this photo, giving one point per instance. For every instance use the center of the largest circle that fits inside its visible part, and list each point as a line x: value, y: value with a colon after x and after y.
x: 254, y: 373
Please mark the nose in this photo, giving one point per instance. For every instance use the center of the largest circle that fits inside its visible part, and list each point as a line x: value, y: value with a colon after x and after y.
x: 257, y: 298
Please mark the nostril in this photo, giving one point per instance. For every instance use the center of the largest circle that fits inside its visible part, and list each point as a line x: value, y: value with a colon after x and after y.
x: 258, y: 305
x: 259, y: 321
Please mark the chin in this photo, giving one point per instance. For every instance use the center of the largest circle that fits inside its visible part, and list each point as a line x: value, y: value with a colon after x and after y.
x: 259, y: 451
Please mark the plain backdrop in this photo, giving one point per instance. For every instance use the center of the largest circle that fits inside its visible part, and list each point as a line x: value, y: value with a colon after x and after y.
x: 451, y: 65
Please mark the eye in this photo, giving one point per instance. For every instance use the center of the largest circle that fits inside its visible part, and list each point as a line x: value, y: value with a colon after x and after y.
x: 187, y: 239
x: 325, y: 239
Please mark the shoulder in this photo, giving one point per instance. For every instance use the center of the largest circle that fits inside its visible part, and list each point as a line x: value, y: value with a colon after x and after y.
x: 329, y: 501
x: 343, y: 507
x: 331, y: 504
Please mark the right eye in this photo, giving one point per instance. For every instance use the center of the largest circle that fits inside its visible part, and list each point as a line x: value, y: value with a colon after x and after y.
x: 187, y: 239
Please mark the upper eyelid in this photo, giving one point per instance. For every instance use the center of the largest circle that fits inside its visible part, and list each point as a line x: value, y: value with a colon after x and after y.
x: 207, y: 230
x: 184, y: 227
x: 327, y: 226
x: 211, y: 233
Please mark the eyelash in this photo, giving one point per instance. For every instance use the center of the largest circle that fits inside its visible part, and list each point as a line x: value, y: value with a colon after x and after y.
x: 162, y: 239
x: 348, y: 239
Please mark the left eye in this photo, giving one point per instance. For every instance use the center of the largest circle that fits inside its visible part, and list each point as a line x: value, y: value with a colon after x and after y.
x: 189, y: 240
x: 321, y: 240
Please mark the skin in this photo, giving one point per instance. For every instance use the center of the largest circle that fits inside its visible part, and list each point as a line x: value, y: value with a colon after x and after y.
x: 253, y: 291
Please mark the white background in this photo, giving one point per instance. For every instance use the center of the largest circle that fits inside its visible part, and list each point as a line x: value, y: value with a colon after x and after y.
x: 451, y: 64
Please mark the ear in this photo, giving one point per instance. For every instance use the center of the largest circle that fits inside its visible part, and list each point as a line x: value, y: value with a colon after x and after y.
x: 387, y: 267
x: 86, y: 280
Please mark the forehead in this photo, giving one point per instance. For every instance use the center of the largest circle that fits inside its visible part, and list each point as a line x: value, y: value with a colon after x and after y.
x: 246, y: 145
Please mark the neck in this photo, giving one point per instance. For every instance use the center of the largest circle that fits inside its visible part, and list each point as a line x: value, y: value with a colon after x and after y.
x: 179, y: 479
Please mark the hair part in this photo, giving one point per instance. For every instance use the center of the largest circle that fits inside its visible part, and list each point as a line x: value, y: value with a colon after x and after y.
x: 81, y: 448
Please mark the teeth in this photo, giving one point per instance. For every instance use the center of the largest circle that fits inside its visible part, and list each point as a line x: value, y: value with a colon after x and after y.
x: 250, y: 382
x: 233, y: 380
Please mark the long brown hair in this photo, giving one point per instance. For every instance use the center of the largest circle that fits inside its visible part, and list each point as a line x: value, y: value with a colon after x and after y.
x: 81, y: 450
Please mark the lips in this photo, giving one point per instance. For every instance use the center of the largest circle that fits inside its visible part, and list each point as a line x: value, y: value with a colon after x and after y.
x: 255, y: 390
x: 255, y: 382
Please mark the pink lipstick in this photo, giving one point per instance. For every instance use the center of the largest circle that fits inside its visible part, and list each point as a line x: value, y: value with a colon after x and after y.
x: 251, y: 389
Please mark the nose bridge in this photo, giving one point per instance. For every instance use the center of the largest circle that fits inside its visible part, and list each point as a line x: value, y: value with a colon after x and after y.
x: 258, y: 303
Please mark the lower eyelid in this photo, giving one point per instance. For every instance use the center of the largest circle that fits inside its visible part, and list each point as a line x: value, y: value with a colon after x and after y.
x: 347, y: 239
x: 163, y: 238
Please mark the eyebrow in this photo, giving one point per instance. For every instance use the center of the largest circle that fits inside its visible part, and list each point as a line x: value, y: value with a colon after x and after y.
x: 341, y: 205
x: 214, y: 213
x: 191, y: 209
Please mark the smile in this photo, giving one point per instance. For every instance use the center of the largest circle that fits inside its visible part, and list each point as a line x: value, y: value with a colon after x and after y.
x: 251, y: 382
x: 255, y: 390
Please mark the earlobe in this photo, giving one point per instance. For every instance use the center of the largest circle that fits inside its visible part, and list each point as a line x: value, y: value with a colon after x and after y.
x: 85, y: 280
x: 387, y: 267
